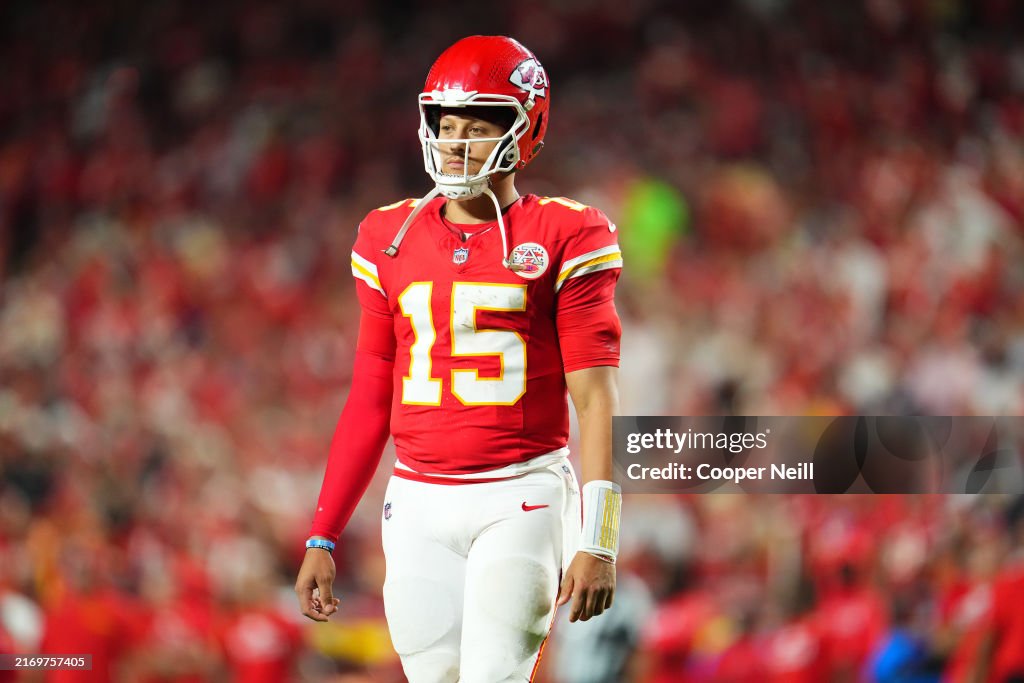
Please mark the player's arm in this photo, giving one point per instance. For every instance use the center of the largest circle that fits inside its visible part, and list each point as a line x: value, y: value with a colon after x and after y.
x: 589, y: 332
x: 356, y: 448
x: 590, y: 579
x: 595, y: 395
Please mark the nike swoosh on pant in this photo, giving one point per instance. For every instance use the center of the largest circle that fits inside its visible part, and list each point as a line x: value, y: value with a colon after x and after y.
x: 527, y: 508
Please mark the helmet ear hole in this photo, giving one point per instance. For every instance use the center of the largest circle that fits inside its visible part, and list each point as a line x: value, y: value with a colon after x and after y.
x: 432, y: 113
x: 540, y: 121
x: 507, y: 150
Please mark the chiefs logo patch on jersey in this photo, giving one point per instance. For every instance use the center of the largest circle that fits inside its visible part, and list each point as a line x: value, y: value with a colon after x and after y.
x: 530, y: 76
x: 529, y: 260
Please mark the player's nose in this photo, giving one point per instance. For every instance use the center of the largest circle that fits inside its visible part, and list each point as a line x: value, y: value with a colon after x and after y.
x: 456, y: 152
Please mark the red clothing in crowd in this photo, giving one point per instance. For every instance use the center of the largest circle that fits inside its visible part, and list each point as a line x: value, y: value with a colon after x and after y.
x: 6, y: 648
x: 178, y: 637
x: 965, y: 610
x: 102, y: 624
x: 852, y: 621
x: 673, y: 631
x: 795, y: 653
x: 1007, y: 623
x: 741, y: 662
x: 260, y: 645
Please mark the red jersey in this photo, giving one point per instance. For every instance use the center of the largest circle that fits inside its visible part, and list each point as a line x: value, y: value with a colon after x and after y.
x: 181, y: 632
x: 260, y: 645
x: 795, y: 653
x: 102, y: 624
x: 479, y: 378
x: 965, y: 610
x: 7, y: 648
x: 742, y: 661
x: 1007, y: 619
x: 852, y: 622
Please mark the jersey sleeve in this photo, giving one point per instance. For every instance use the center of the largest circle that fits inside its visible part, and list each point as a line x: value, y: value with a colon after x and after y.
x: 588, y: 325
x: 593, y: 249
x: 363, y: 426
x: 376, y: 331
x: 372, y: 296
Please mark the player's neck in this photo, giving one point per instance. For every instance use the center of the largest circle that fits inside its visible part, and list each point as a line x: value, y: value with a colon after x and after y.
x: 481, y: 209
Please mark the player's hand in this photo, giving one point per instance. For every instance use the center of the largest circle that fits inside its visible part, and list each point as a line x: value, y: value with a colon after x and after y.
x: 590, y: 582
x: 313, y: 585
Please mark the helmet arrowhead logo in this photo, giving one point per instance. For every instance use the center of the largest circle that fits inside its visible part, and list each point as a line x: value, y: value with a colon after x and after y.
x: 526, y: 71
x: 529, y: 75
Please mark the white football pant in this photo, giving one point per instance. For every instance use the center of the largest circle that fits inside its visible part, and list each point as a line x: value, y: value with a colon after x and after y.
x: 473, y: 571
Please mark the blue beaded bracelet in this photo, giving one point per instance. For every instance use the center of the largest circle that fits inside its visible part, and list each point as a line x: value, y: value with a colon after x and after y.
x: 320, y: 543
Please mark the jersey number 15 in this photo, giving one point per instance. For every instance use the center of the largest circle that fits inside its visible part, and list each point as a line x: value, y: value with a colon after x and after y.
x: 419, y: 387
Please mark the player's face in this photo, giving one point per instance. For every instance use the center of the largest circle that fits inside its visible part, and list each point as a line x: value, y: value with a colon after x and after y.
x: 459, y: 128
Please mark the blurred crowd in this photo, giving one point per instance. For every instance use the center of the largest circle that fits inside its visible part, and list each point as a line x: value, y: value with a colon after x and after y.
x: 821, y: 207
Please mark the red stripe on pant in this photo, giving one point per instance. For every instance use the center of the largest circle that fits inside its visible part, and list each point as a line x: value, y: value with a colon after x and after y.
x: 543, y: 643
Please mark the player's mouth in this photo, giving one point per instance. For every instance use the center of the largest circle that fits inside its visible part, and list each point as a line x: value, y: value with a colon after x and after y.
x: 455, y: 166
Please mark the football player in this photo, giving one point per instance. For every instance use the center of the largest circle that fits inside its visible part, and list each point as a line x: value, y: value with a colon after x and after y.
x: 480, y: 308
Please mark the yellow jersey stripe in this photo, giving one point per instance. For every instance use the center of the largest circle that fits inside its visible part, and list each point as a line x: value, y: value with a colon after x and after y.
x: 592, y: 262
x: 574, y: 263
x: 366, y: 276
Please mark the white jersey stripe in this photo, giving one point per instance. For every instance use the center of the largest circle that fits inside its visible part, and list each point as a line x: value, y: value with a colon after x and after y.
x: 364, y: 270
x: 597, y: 253
x: 592, y: 262
x: 591, y: 268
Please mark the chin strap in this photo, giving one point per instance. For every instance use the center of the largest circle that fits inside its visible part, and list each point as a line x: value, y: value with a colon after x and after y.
x: 392, y: 250
x: 501, y: 228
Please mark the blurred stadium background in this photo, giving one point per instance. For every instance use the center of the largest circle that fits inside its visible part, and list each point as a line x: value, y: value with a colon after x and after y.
x: 821, y: 206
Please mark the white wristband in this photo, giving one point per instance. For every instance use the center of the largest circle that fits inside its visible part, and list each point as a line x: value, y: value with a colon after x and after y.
x: 602, y: 506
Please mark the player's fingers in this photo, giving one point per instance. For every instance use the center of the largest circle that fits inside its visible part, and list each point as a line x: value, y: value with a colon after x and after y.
x: 328, y: 603
x: 314, y: 614
x: 309, y: 605
x: 304, y: 593
x: 566, y: 591
x: 599, y: 601
x: 579, y: 602
x: 609, y: 599
x: 594, y: 606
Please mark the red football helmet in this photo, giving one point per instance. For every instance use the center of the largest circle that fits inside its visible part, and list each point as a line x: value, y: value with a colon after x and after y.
x: 482, y: 72
x: 485, y: 71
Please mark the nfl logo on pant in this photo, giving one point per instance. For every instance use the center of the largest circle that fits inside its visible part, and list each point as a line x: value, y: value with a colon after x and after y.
x: 387, y: 510
x: 460, y: 255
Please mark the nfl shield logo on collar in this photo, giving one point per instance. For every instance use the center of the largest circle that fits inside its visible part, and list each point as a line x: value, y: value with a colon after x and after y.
x: 460, y: 255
